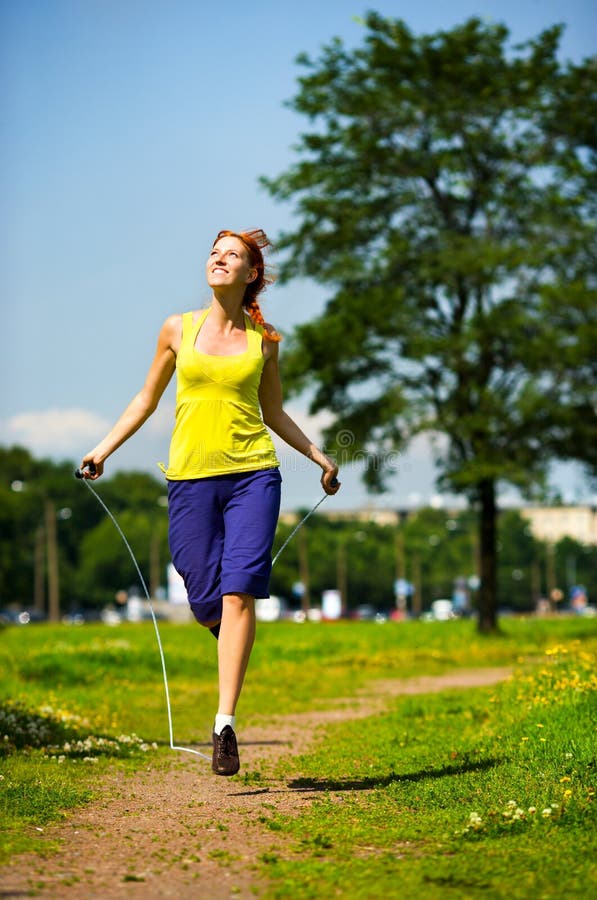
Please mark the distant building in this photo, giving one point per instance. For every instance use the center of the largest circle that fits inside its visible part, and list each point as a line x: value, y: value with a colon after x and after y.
x: 548, y: 523
x: 374, y: 514
x: 367, y: 514
x: 552, y: 523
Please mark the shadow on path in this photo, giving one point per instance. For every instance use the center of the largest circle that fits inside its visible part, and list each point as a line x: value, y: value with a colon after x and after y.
x: 380, y: 781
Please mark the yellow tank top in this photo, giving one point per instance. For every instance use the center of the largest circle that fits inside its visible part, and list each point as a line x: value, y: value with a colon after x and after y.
x: 218, y: 426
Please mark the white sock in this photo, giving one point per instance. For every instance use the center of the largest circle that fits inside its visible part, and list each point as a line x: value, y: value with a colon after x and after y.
x: 222, y: 721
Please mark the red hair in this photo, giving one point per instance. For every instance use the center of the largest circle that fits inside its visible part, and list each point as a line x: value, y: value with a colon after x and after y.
x: 255, y: 242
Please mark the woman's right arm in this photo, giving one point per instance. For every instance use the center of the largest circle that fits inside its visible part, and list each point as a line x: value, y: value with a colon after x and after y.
x: 144, y: 403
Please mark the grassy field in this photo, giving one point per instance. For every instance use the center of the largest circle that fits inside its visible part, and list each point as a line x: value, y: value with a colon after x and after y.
x: 483, y: 791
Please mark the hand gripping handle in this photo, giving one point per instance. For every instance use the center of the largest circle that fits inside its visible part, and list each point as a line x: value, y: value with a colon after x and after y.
x: 80, y: 473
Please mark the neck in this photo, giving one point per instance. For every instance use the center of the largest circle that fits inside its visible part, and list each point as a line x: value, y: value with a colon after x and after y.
x: 227, y: 311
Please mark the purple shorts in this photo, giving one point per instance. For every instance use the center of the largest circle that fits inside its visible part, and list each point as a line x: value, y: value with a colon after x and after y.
x: 221, y: 531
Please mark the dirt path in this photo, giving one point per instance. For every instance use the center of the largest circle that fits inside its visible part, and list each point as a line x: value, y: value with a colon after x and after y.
x: 183, y: 832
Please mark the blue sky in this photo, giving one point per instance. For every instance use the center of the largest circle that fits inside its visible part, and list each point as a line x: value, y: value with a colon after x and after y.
x: 132, y: 131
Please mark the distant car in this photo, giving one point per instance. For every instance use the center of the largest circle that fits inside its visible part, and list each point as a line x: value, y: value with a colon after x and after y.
x: 8, y: 617
x: 363, y: 613
x: 269, y: 609
x: 299, y: 616
x: 111, y: 617
x: 441, y: 611
x: 75, y: 618
x: 21, y: 616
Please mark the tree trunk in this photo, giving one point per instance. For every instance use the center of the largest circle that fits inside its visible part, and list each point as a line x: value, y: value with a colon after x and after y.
x: 52, y: 562
x: 154, y: 564
x: 341, y: 576
x: 304, y: 576
x: 487, y: 612
x: 417, y: 601
x: 39, y: 570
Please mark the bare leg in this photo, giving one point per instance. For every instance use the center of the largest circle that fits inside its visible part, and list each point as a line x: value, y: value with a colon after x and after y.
x: 237, y: 635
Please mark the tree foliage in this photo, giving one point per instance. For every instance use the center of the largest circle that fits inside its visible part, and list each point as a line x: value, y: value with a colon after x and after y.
x: 446, y: 194
x: 92, y: 560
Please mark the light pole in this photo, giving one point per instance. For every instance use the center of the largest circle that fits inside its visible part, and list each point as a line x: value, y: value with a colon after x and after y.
x: 52, y: 515
x: 46, y: 551
x: 400, y: 583
x: 417, y: 597
x: 342, y: 568
x: 304, y: 574
x: 341, y: 577
x: 52, y: 561
x: 155, y: 571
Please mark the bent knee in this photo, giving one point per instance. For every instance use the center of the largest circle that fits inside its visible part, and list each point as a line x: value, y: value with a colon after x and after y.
x: 239, y: 600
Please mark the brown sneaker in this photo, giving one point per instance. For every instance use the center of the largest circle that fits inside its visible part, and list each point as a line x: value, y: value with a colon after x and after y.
x: 225, y: 759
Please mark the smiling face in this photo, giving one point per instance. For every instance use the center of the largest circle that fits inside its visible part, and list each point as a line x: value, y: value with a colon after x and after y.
x: 229, y: 265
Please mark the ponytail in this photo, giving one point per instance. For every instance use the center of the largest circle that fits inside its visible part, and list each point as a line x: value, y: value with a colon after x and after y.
x: 254, y: 310
x: 255, y: 242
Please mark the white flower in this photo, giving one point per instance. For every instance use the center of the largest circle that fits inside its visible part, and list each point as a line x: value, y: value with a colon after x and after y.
x: 546, y: 812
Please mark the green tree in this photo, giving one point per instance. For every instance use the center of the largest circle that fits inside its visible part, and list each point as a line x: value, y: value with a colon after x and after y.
x: 446, y: 194
x: 42, y: 514
x: 576, y: 565
x: 55, y: 538
x: 105, y: 565
x: 517, y: 551
x: 138, y: 502
x: 438, y: 550
x: 353, y: 556
x: 363, y: 559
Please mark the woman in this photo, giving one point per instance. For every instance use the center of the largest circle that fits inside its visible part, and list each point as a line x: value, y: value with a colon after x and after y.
x: 223, y: 475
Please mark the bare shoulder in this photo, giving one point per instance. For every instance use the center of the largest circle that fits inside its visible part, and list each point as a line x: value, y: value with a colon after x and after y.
x: 171, y: 331
x: 173, y: 322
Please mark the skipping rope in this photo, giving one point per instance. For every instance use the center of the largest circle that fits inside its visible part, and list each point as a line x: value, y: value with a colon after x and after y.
x: 173, y: 746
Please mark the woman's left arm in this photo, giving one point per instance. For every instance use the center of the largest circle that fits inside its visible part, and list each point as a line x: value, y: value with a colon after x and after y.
x: 274, y: 416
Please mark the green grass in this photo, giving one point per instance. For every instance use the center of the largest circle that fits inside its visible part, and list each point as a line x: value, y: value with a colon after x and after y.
x: 479, y: 793
x: 443, y: 794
